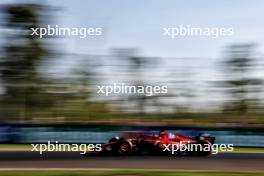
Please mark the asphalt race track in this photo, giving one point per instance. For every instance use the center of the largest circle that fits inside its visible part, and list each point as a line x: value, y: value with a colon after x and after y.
x: 223, y: 161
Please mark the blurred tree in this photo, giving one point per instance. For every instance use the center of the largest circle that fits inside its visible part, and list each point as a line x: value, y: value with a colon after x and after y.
x: 136, y: 64
x: 240, y: 83
x: 22, y: 55
x: 137, y: 70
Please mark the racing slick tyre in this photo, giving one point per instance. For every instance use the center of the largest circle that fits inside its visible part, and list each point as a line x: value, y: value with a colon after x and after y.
x: 160, y: 149
x: 125, y: 148
x: 114, y: 139
x: 205, y: 144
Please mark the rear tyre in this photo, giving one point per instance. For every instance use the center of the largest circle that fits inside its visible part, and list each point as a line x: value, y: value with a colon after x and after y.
x: 114, y: 139
x: 205, y: 144
x: 125, y: 148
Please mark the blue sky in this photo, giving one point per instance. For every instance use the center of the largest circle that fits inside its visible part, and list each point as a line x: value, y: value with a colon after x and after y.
x: 139, y: 23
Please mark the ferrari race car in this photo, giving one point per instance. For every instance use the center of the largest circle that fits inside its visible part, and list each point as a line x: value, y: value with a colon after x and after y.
x: 162, y: 143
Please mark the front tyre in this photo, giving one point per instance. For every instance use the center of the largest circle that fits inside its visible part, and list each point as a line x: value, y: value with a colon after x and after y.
x: 125, y: 148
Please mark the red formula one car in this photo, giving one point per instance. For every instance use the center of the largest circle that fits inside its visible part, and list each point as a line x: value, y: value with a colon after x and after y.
x: 158, y: 143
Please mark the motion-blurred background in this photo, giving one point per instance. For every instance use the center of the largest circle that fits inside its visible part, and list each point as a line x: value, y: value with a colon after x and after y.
x: 48, y: 86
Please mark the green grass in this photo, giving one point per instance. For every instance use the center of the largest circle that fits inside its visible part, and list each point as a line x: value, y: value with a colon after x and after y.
x: 125, y: 173
x: 15, y: 147
x: 248, y: 150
